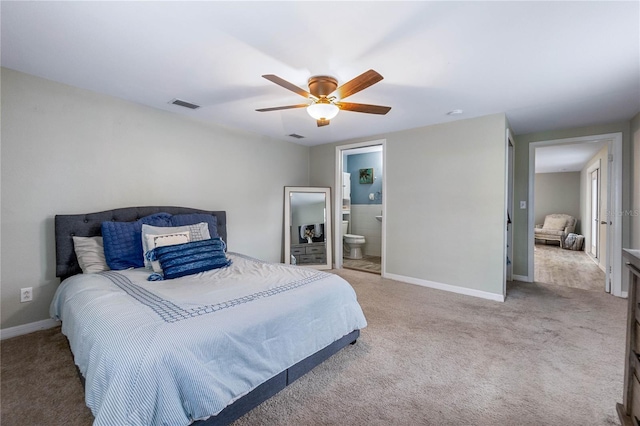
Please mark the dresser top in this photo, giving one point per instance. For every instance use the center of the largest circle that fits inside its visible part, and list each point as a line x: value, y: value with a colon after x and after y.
x: 633, y: 256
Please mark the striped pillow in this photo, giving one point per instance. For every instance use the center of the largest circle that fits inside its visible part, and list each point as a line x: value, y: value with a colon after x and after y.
x: 190, y: 258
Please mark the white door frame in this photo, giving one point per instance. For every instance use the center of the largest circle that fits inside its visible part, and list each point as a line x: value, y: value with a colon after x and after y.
x: 592, y: 168
x: 337, y: 231
x: 614, y: 197
x: 508, y: 201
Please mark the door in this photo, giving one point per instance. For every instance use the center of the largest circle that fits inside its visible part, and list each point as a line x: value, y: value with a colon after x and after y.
x: 595, y: 212
x: 597, y: 207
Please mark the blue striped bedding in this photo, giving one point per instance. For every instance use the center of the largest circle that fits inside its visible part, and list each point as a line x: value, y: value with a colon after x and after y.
x: 176, y: 351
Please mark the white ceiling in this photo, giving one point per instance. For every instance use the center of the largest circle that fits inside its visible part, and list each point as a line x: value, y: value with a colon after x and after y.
x: 566, y: 158
x: 363, y: 150
x: 547, y: 65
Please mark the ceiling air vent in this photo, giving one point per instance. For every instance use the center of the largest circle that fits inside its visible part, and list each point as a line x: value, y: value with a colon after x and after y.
x: 294, y: 135
x: 184, y: 104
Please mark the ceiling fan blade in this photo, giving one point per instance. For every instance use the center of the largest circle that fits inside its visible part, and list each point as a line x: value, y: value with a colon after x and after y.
x: 323, y: 123
x: 357, y: 84
x: 289, y: 86
x: 282, y: 107
x: 368, y: 109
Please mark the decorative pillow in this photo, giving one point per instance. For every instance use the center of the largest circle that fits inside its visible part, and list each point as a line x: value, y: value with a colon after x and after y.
x: 197, y: 232
x: 90, y: 254
x: 554, y: 223
x: 153, y: 241
x: 194, y: 218
x: 190, y: 258
x: 123, y: 240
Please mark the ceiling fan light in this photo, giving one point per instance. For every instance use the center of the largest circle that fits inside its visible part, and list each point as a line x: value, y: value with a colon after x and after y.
x: 323, y: 111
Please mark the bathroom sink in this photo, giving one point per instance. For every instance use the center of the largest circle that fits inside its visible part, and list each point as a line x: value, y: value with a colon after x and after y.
x: 379, y: 218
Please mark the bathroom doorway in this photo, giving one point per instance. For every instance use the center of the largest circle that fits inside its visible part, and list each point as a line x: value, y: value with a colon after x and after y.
x: 360, y: 206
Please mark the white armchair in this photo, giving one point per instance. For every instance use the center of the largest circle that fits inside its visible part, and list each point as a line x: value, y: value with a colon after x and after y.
x: 556, y: 227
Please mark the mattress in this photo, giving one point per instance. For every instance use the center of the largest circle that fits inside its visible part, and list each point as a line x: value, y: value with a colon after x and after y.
x: 176, y: 351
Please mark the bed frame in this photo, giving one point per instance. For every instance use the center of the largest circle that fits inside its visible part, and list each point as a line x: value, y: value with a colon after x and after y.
x: 89, y: 225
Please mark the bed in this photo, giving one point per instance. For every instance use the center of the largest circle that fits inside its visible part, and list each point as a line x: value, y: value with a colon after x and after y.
x: 204, y: 348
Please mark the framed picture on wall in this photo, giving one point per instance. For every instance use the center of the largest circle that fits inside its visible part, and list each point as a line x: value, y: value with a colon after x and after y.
x: 366, y: 176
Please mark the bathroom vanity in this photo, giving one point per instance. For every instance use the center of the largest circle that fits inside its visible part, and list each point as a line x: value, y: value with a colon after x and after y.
x: 629, y: 410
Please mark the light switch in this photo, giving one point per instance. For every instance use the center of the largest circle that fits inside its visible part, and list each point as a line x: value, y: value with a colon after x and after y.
x: 372, y: 196
x: 523, y: 204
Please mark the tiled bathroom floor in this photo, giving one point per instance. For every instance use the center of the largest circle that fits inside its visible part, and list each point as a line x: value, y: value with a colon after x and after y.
x: 367, y: 264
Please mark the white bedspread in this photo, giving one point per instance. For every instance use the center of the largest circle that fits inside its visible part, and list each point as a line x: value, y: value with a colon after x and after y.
x: 171, y: 352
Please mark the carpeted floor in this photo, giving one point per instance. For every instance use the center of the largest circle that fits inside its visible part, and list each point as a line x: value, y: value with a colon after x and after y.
x: 554, y: 265
x: 549, y: 355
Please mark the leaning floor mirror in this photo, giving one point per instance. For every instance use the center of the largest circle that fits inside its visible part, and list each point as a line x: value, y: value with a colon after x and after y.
x: 307, y: 226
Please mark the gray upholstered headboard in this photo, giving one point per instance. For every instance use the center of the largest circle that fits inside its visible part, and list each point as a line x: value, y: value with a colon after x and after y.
x: 89, y: 225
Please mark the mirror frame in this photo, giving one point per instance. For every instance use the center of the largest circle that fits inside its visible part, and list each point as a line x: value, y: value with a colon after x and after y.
x: 288, y: 190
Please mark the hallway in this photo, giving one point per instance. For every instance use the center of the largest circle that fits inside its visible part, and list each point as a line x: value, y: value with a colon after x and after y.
x: 554, y: 265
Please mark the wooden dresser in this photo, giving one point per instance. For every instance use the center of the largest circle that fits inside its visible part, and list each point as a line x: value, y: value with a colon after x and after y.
x: 313, y: 253
x: 629, y: 410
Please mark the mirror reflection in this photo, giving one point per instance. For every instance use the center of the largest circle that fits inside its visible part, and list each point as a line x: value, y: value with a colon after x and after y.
x: 307, y: 227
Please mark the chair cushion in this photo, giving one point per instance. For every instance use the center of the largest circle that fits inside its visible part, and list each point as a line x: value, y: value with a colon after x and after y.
x: 554, y: 223
x: 541, y: 231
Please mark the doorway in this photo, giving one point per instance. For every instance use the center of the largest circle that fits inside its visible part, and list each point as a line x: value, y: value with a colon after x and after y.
x: 360, y: 206
x: 604, y: 188
x: 508, y: 272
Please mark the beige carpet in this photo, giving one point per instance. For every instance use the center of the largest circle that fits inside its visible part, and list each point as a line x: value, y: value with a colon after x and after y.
x: 549, y: 355
x: 554, y: 265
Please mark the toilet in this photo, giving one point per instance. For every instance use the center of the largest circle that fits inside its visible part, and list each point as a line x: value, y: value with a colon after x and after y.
x: 353, y: 242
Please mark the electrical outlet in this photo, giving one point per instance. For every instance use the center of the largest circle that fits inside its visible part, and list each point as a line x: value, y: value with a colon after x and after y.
x: 26, y: 294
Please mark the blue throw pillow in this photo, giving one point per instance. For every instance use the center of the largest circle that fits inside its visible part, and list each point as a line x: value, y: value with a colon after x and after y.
x: 189, y: 258
x: 123, y: 240
x: 195, y: 218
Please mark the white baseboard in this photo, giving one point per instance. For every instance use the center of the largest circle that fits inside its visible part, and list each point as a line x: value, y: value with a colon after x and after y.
x: 447, y: 287
x: 523, y: 278
x: 7, y: 333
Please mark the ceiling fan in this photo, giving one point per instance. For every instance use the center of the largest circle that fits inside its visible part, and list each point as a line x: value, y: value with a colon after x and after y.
x: 326, y: 96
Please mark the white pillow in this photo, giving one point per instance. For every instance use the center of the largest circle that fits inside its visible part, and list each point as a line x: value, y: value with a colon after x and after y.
x: 162, y: 240
x: 90, y: 254
x: 197, y: 232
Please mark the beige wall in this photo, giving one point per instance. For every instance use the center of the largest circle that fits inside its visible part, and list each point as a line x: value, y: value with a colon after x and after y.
x: 67, y: 150
x: 557, y: 193
x: 521, y: 189
x: 445, y: 201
